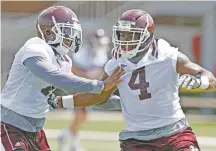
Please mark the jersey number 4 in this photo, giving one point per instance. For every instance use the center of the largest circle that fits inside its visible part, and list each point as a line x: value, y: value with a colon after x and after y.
x: 142, y: 85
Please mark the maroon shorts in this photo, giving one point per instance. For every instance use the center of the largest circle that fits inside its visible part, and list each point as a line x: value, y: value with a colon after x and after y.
x: 183, y: 141
x: 14, y: 138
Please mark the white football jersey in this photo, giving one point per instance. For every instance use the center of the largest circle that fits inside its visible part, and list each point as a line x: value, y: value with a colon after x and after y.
x: 24, y: 92
x: 149, y: 92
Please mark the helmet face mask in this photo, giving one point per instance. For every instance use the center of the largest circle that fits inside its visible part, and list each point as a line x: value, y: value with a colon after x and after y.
x: 63, y: 35
x: 131, y: 36
x: 67, y: 35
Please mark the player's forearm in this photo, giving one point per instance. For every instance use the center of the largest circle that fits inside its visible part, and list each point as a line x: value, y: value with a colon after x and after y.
x: 88, y: 99
x: 80, y: 100
x: 196, y: 69
x: 185, y: 66
x: 206, y: 79
x: 70, y: 83
x: 74, y: 84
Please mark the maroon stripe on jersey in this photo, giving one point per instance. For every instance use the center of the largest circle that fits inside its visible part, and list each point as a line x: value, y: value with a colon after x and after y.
x: 155, y: 50
x: 65, y: 58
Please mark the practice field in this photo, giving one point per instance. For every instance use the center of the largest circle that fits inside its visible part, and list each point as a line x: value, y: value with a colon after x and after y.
x: 91, y: 145
x: 102, y: 135
x: 108, y: 141
x: 207, y: 129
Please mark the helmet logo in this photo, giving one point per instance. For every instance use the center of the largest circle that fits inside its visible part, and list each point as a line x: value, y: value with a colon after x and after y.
x: 74, y: 19
x: 125, y: 25
x: 126, y: 22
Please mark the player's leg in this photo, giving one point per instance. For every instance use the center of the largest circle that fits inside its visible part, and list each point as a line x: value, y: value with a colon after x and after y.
x: 70, y: 135
x: 12, y: 138
x: 80, y: 119
x: 137, y: 145
x: 183, y: 141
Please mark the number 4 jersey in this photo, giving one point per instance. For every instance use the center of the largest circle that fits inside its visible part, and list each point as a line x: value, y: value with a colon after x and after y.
x: 149, y: 92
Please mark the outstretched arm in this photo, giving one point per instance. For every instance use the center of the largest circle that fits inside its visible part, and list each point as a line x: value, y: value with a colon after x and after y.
x: 86, y: 99
x: 45, y: 70
x: 193, y: 75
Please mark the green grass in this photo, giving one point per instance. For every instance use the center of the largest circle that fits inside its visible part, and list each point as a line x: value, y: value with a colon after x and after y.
x: 116, y: 126
x: 110, y: 126
x: 91, y: 145
x: 205, y: 129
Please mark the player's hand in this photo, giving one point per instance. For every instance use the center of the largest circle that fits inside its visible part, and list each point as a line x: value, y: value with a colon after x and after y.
x: 113, y: 79
x: 189, y: 82
x: 53, y: 102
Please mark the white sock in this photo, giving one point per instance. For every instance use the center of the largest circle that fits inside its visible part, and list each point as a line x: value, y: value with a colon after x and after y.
x: 67, y: 133
x: 76, y: 139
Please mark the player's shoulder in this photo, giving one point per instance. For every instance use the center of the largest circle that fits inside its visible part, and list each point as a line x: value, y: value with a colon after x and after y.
x: 39, y: 45
x: 162, y: 43
x: 110, y: 65
x: 112, y: 62
x: 36, y: 47
x: 165, y: 49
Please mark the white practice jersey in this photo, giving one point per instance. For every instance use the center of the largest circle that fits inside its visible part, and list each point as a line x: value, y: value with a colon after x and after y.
x: 24, y: 92
x: 149, y: 92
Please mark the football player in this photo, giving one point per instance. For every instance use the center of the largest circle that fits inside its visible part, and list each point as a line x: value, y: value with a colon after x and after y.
x: 40, y: 69
x: 149, y: 91
x: 150, y: 88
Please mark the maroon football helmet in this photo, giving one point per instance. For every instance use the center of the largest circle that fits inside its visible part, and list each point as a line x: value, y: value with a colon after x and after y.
x: 60, y: 28
x: 133, y: 33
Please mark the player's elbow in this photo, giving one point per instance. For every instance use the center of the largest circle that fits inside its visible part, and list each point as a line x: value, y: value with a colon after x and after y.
x: 212, y: 79
x: 212, y: 84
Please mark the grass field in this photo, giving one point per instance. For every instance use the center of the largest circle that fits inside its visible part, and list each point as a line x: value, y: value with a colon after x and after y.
x: 91, y: 145
x: 112, y: 123
x: 208, y: 129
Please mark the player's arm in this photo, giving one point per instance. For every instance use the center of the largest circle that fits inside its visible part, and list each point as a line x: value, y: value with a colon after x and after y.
x: 193, y: 75
x: 105, y: 102
x: 45, y: 70
x: 102, y: 101
x: 81, y: 99
x: 88, y: 99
